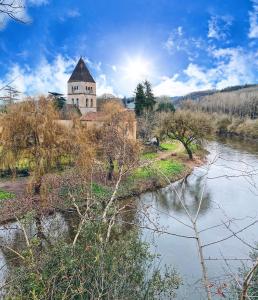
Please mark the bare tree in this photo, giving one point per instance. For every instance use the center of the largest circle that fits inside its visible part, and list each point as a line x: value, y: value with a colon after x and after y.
x: 12, y: 9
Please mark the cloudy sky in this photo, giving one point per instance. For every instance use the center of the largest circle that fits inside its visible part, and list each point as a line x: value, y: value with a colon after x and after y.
x: 180, y: 46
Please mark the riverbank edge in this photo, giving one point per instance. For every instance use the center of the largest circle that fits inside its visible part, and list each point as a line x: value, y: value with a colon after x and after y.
x: 156, y: 185
x: 232, y: 134
x: 147, y: 185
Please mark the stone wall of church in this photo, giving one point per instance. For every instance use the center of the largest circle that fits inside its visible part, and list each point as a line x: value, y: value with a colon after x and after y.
x: 83, y: 95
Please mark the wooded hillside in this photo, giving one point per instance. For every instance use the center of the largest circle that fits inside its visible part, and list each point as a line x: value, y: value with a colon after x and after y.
x: 231, y: 101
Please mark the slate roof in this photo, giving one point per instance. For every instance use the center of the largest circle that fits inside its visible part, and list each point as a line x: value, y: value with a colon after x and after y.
x: 81, y: 73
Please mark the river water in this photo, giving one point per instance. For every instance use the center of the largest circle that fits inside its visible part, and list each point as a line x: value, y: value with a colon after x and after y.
x: 228, y: 189
x: 229, y: 193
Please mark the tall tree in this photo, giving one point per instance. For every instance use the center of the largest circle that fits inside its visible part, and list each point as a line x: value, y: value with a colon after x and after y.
x: 140, y: 99
x: 149, y: 97
x: 116, y: 143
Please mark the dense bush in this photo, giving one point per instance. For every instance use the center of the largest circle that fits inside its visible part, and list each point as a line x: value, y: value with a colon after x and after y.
x: 244, y: 127
x: 93, y: 269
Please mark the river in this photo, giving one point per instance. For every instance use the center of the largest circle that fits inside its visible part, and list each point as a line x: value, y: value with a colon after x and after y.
x: 229, y: 194
x: 224, y: 198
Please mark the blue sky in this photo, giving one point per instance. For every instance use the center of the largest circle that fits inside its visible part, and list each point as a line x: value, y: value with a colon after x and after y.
x: 180, y: 46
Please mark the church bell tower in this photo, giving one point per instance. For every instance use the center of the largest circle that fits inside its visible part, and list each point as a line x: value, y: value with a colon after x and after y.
x: 82, y: 89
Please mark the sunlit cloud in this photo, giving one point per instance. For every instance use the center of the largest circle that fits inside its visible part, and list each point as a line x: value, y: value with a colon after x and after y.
x: 44, y: 78
x: 234, y: 66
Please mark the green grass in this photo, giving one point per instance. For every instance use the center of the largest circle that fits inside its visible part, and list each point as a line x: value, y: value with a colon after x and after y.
x: 168, y: 167
x: 100, y: 191
x: 6, y: 195
x: 151, y: 155
x: 143, y: 173
x: 168, y: 146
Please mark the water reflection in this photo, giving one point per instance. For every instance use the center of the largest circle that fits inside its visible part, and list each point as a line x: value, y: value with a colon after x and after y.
x: 223, y: 198
x: 189, y: 192
x: 246, y: 145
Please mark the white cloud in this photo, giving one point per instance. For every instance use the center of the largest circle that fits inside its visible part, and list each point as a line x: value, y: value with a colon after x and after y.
x: 20, y: 11
x: 253, y: 19
x: 70, y: 14
x: 219, y: 27
x: 176, y: 41
x: 103, y: 87
x: 49, y: 77
x: 46, y: 77
x: 17, y: 13
x: 175, y: 87
x: 233, y: 66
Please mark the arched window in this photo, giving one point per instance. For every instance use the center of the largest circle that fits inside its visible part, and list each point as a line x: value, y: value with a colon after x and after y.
x: 77, y: 102
x: 87, y: 102
x: 91, y: 103
x: 73, y: 101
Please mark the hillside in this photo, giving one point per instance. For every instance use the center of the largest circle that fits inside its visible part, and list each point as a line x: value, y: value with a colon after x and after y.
x: 241, y: 101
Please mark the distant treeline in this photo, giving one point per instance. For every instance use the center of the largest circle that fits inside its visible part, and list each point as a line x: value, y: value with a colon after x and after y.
x: 238, y: 87
x: 235, y: 102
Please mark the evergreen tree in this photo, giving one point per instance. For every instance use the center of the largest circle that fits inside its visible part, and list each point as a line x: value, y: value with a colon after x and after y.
x: 59, y: 102
x: 149, y: 96
x: 140, y: 99
x: 166, y: 107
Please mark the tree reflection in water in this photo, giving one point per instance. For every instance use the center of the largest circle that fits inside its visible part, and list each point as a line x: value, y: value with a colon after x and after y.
x: 190, y: 192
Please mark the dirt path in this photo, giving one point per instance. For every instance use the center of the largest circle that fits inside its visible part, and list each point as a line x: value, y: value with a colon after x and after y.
x: 17, y: 186
x: 170, y: 153
x: 196, y: 162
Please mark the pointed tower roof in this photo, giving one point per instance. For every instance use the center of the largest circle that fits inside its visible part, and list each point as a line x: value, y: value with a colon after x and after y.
x: 81, y: 73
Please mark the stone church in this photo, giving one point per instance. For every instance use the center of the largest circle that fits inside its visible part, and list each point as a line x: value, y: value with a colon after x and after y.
x: 82, y: 94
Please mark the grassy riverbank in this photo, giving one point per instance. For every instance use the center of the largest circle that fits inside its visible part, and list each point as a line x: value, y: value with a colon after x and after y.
x: 155, y: 170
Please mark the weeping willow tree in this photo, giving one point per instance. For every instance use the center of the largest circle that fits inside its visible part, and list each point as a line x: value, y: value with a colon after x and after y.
x: 30, y: 132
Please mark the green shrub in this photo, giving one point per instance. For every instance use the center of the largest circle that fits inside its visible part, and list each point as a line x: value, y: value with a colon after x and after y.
x: 6, y: 195
x: 100, y: 191
x: 123, y: 268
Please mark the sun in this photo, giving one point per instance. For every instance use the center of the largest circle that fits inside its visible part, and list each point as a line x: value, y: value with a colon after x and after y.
x: 137, y: 68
